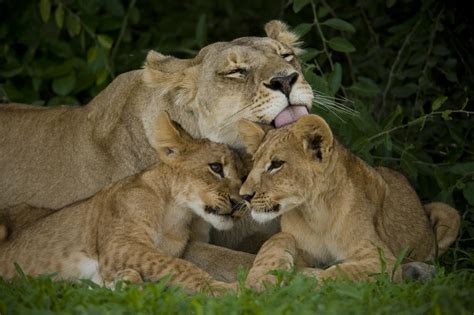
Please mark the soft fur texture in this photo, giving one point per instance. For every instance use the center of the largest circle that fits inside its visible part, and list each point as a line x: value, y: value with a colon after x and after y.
x: 51, y: 157
x: 339, y: 210
x: 138, y: 227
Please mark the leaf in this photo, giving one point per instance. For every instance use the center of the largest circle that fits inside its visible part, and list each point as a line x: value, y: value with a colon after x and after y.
x: 73, y: 24
x: 92, y: 54
x: 319, y: 84
x: 334, y: 79
x: 59, y: 16
x: 407, y: 165
x: 388, y: 122
x: 438, y: 102
x: 105, y: 41
x: 101, y: 76
x: 299, y: 4
x: 462, y: 168
x: 302, y: 29
x: 201, y: 31
x: 440, y: 50
x: 45, y: 10
x: 341, y: 44
x: 446, y: 114
x: 365, y: 87
x: 309, y: 54
x: 468, y: 193
x: 62, y: 100
x: 64, y: 85
x: 339, y: 24
x: 390, y: 3
x: 115, y: 7
x: 405, y: 91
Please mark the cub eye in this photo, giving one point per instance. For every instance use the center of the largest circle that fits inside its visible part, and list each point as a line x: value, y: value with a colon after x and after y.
x: 288, y: 57
x: 275, y: 164
x: 238, y: 73
x: 217, y: 168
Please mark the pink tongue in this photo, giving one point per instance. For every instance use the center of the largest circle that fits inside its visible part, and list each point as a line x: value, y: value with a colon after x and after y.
x: 290, y: 114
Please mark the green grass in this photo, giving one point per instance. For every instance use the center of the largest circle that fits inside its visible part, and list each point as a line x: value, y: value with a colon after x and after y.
x: 446, y: 294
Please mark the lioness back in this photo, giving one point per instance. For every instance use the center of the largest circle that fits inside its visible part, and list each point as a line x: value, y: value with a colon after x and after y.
x: 51, y: 157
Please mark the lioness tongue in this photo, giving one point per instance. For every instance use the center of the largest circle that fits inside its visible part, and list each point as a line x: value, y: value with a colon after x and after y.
x: 290, y: 114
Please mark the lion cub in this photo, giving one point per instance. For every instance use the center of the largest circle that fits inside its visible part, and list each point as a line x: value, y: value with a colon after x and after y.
x: 339, y: 210
x: 137, y: 227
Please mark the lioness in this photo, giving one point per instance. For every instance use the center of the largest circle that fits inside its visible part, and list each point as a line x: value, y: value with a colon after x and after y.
x: 51, y: 157
x: 137, y: 227
x: 339, y: 210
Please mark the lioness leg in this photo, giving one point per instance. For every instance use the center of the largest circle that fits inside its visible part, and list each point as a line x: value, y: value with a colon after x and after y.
x: 153, y: 265
x: 220, y: 262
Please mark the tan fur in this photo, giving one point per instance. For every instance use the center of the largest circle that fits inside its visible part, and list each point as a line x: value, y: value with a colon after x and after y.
x: 138, y: 227
x: 339, y: 210
x: 51, y: 157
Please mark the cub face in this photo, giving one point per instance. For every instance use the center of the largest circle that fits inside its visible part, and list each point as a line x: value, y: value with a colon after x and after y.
x: 289, y: 165
x: 255, y: 78
x: 209, y: 173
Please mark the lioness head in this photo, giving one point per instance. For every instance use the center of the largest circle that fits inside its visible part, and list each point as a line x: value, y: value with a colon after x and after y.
x: 290, y: 165
x: 206, y: 173
x: 253, y: 78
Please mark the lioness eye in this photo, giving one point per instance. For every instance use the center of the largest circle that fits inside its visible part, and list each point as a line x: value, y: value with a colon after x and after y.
x: 288, y: 57
x: 217, y: 168
x: 236, y: 73
x: 275, y: 164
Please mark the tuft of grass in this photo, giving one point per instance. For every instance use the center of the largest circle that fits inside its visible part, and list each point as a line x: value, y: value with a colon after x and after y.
x: 446, y: 294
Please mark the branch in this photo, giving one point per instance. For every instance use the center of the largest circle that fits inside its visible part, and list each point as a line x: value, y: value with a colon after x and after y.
x: 397, y: 60
x: 121, y: 34
x: 320, y: 32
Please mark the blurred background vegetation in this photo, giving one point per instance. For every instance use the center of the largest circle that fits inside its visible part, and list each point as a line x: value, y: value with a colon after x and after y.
x: 400, y: 70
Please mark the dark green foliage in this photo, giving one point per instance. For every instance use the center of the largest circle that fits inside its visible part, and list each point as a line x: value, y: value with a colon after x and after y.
x: 406, y: 66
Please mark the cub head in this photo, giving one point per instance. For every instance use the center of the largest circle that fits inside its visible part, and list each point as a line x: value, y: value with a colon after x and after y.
x: 289, y: 165
x: 253, y: 78
x: 205, y: 175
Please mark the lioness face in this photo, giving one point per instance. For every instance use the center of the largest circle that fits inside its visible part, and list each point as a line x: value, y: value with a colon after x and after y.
x: 258, y: 79
x: 207, y: 173
x: 289, y: 168
x: 253, y: 78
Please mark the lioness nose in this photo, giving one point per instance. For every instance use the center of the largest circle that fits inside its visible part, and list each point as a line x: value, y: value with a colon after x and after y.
x: 283, y: 84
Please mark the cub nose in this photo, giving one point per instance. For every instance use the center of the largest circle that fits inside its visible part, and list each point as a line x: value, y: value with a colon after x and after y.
x: 283, y: 83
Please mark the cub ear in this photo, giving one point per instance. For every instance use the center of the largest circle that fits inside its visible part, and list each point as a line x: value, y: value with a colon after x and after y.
x: 251, y: 135
x: 279, y: 31
x: 170, y: 139
x: 316, y: 136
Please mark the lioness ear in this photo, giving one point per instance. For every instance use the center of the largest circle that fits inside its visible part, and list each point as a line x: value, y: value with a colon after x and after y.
x: 316, y: 136
x: 251, y: 135
x: 279, y: 31
x: 169, y: 138
x: 165, y: 73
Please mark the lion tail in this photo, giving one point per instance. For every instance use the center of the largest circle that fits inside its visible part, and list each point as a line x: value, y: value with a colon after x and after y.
x: 445, y: 221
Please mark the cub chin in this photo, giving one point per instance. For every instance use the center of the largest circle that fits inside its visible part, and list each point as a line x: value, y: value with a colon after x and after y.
x: 335, y: 209
x: 137, y: 228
